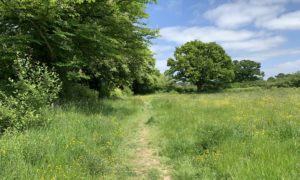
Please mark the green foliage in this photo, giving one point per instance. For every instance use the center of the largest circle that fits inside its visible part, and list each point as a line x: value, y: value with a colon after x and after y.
x: 279, y: 81
x: 285, y: 80
x: 204, y: 64
x: 247, y: 70
x: 77, y: 92
x: 102, y: 43
x: 34, y: 88
x: 149, y: 83
x: 117, y: 93
x: 247, y: 84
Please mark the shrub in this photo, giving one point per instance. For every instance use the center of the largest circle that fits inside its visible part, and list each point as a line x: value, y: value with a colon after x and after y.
x: 34, y: 88
x: 289, y: 80
x: 280, y: 81
x: 248, y: 84
x: 76, y: 91
x: 118, y: 92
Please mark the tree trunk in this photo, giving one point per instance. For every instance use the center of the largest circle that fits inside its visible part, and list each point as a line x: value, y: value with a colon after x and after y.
x: 199, y: 87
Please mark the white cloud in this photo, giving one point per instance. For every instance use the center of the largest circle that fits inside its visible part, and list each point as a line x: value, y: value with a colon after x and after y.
x: 270, y: 14
x: 253, y: 45
x: 240, y: 13
x: 267, y: 55
x: 207, y: 34
x: 230, y: 39
x: 286, y: 67
x: 161, y: 48
x: 290, y: 64
x: 288, y: 21
x: 161, y: 65
x: 162, y: 52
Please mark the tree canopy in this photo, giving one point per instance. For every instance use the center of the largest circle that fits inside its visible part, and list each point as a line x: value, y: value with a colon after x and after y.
x: 103, y: 43
x: 247, y: 70
x: 204, y: 64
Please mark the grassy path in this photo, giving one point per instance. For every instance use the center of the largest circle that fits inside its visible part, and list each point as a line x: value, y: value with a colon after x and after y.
x: 245, y: 135
x: 147, y: 163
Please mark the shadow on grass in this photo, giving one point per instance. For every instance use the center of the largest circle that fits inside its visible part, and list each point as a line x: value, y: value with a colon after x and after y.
x: 106, y: 107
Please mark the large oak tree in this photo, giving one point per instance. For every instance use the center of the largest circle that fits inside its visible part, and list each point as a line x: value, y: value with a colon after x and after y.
x: 204, y: 64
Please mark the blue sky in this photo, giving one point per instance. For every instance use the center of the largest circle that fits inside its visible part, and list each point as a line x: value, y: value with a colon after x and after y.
x: 267, y: 31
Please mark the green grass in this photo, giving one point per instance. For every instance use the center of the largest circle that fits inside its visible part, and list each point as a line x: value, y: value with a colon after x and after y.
x: 230, y: 135
x: 83, y: 141
x: 240, y: 135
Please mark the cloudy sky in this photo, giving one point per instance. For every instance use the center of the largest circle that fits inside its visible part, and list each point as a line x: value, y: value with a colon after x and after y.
x: 267, y: 31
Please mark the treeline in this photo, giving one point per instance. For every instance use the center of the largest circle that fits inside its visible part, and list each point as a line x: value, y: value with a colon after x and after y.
x: 52, y: 48
x: 279, y: 81
x: 102, y: 44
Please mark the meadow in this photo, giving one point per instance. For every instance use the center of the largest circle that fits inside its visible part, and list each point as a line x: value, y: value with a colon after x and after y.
x: 251, y: 134
x: 233, y: 135
x: 82, y: 140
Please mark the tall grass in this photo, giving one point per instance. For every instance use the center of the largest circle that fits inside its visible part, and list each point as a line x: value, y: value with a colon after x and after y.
x: 229, y: 135
x: 83, y: 140
x: 237, y: 135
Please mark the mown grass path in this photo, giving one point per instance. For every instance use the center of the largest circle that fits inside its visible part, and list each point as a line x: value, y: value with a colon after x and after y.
x: 147, y: 164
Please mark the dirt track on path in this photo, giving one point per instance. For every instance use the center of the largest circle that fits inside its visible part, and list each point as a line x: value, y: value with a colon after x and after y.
x: 147, y: 161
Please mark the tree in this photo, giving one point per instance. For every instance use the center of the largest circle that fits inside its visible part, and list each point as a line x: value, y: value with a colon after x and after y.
x: 204, y: 64
x: 281, y: 75
x: 247, y: 70
x: 102, y: 43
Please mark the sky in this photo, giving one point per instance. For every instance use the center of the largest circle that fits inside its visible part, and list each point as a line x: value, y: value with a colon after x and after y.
x: 266, y: 31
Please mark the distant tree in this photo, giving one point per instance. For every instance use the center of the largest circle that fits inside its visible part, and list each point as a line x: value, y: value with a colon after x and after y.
x: 247, y: 70
x: 204, y: 64
x: 281, y: 75
x: 271, y: 78
x: 147, y: 83
x: 287, y: 80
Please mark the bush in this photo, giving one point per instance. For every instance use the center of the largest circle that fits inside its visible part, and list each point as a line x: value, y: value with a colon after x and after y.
x: 76, y: 91
x: 34, y: 88
x: 118, y: 92
x: 280, y: 81
x: 289, y: 80
x: 248, y: 84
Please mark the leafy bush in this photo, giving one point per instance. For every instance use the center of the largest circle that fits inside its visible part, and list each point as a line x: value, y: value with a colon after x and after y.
x: 248, y: 84
x: 127, y: 91
x: 180, y: 87
x: 34, y: 88
x: 288, y: 80
x: 76, y: 91
x: 118, y: 92
x: 280, y: 81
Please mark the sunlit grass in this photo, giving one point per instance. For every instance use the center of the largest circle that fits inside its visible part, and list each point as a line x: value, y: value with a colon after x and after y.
x: 238, y: 135
x: 82, y: 141
x: 229, y: 135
